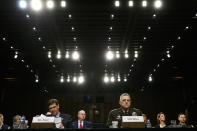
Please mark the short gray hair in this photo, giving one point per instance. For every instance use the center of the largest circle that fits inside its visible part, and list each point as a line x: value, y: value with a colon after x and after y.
x: 80, y: 111
x: 124, y: 94
x: 16, y: 117
x: 1, y: 116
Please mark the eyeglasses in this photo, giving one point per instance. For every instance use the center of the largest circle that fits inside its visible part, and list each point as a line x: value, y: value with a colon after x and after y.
x: 52, y: 107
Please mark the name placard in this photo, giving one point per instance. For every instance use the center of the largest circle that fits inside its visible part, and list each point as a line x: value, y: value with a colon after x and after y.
x: 43, y: 120
x: 132, y: 119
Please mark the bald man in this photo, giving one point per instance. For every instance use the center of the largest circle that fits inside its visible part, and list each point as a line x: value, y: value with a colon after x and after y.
x: 81, y: 123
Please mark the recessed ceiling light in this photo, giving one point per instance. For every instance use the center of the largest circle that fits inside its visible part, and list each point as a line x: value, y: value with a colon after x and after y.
x: 36, y: 5
x: 75, y: 55
x: 63, y: 3
x: 59, y: 54
x: 130, y: 3
x: 112, y: 16
x: 106, y: 79
x: 119, y: 79
x: 15, y: 56
x: 62, y: 79
x: 117, y: 54
x: 150, y: 79
x: 50, y: 4
x: 68, y: 79
x: 27, y: 16
x: 117, y: 3
x: 23, y: 4
x: 67, y: 55
x: 36, y: 80
x: 74, y: 79
x: 158, y: 4
x: 112, y: 79
x: 187, y: 27
x: 144, y: 3
x: 34, y: 28
x: 49, y: 54
x: 39, y: 38
x: 81, y: 79
x: 126, y: 55
x: 109, y: 55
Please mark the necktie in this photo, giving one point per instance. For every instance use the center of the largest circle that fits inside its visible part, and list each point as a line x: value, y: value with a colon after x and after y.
x: 80, y: 126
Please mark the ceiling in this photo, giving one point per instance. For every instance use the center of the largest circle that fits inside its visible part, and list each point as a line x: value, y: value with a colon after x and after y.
x: 147, y: 30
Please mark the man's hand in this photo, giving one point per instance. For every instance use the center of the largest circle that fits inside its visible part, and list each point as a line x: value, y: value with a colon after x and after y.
x: 61, y: 126
x: 48, y: 113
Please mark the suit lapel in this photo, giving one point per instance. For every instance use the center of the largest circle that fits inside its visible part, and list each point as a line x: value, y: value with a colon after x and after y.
x: 84, y: 124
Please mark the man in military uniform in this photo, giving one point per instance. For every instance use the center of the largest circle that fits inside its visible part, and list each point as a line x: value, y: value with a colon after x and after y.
x: 124, y: 110
x: 182, y: 121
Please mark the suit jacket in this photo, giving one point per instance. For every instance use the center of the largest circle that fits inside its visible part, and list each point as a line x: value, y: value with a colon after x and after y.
x: 86, y: 124
x: 66, y: 120
x: 5, y: 127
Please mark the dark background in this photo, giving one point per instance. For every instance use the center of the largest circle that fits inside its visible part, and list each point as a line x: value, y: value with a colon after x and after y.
x: 172, y: 90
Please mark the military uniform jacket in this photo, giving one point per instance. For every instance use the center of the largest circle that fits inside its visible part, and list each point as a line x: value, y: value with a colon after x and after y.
x: 116, y: 115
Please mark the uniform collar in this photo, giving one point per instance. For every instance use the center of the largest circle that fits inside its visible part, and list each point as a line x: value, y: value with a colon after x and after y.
x: 125, y: 111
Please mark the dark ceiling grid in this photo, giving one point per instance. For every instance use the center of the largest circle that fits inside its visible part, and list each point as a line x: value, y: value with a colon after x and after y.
x: 111, y: 69
x: 170, y: 47
x: 134, y: 38
x: 38, y: 40
x: 18, y: 56
x: 137, y: 45
x: 60, y: 47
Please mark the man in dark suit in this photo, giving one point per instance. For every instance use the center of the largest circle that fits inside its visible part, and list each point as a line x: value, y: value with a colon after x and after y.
x: 53, y: 105
x: 81, y: 123
x: 2, y: 125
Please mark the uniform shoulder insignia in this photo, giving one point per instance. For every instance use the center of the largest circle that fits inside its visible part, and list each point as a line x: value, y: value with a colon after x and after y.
x: 114, y: 110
